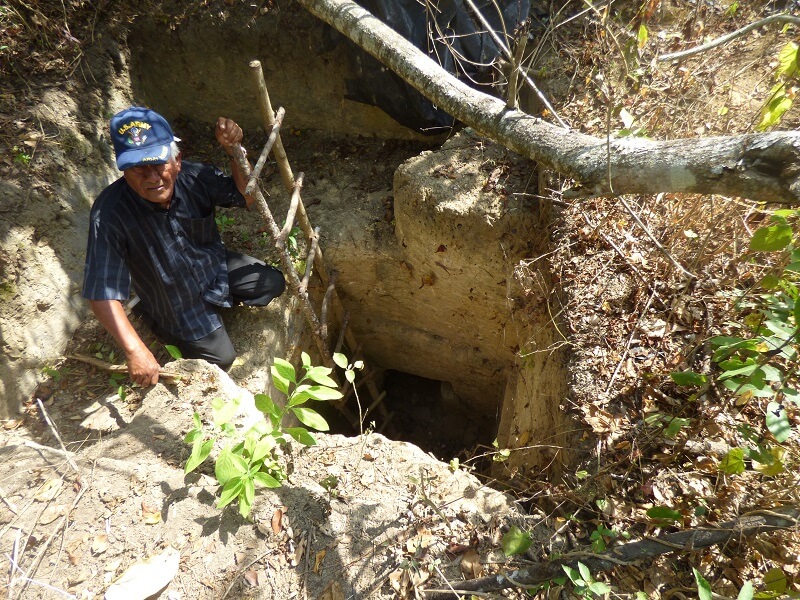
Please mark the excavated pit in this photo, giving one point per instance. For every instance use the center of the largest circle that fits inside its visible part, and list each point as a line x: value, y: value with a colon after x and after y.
x: 433, y: 242
x: 427, y: 243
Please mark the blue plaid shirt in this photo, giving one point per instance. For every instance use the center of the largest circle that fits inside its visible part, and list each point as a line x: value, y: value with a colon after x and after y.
x: 175, y: 259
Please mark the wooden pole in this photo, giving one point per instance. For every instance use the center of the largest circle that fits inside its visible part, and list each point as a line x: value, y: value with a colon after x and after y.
x: 268, y: 118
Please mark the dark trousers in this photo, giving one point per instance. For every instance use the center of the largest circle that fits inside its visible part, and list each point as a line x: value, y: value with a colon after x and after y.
x: 252, y: 282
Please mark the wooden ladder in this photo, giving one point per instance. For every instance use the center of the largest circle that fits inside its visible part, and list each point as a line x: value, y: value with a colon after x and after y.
x: 314, y: 261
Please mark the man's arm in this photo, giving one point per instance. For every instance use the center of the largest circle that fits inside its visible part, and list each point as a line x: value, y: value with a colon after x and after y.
x: 143, y: 367
x: 229, y: 134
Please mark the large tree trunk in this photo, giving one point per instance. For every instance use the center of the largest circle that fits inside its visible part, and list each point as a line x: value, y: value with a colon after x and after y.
x: 764, y: 167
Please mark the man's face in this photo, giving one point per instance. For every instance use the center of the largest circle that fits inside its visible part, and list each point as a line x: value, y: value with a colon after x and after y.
x: 154, y: 183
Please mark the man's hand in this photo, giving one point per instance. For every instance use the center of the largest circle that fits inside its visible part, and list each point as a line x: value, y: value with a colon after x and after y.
x: 228, y: 134
x: 143, y: 367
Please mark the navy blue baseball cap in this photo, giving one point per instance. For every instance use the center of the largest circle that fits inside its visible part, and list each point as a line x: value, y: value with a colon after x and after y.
x: 141, y: 137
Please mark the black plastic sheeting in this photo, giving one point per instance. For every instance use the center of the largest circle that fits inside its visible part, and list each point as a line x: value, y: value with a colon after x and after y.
x: 449, y: 33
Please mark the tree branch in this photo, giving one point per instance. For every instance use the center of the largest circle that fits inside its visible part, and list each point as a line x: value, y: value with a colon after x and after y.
x: 764, y: 167
x: 758, y: 521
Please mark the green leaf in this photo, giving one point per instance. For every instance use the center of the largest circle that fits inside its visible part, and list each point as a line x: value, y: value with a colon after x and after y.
x: 284, y: 369
x: 280, y: 382
x: 321, y: 375
x: 223, y: 411
x: 249, y: 491
x: 771, y: 238
x: 772, y: 113
x: 599, y: 588
x: 173, y: 351
x: 664, y: 513
x: 586, y: 574
x: 733, y: 462
x: 791, y: 395
x: 323, y: 392
x: 245, y: 505
x: 775, y: 580
x: 266, y: 480
x: 746, y: 593
x: 301, y: 435
x: 192, y: 435
x: 200, y: 452
x: 703, y: 587
x: 515, y: 541
x: 769, y: 282
x: 340, y: 360
x: 229, y: 466
x: 787, y: 59
x: 230, y: 491
x: 198, y: 424
x: 735, y: 367
x: 350, y: 375
x: 675, y: 425
x: 688, y: 378
x: 306, y: 359
x: 642, y: 36
x: 778, y: 422
x: 573, y: 575
x: 262, y: 448
x: 310, y: 418
x: 265, y: 404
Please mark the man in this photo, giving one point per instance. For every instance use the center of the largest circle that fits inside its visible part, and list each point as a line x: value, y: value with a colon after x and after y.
x: 154, y: 228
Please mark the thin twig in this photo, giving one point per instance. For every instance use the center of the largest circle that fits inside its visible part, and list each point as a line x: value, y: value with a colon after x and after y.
x: 345, y: 321
x: 326, y: 303
x: 58, y: 437
x: 8, y: 502
x: 242, y: 570
x: 516, y: 67
x: 658, y: 244
x: 165, y: 374
x: 502, y: 45
x: 782, y: 18
x: 295, y: 201
x: 630, y: 339
x: 310, y: 261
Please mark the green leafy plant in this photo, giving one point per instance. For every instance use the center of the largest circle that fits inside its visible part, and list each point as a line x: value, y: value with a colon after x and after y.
x: 670, y: 425
x: 760, y: 359
x: 21, y: 156
x: 224, y: 222
x: 252, y: 458
x: 515, y: 541
x: 601, y: 537
x: 585, y: 584
x: 785, y: 89
x: 745, y: 593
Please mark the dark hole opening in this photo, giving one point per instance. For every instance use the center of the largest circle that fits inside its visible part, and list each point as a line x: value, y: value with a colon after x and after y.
x: 428, y: 414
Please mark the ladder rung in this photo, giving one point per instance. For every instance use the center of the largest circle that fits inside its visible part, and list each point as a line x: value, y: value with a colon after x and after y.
x: 262, y: 160
x: 295, y: 202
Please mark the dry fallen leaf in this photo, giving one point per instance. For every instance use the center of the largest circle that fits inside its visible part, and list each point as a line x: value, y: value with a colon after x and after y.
x: 51, y: 513
x: 318, y: 560
x: 150, y: 514
x: 251, y: 577
x: 471, y: 564
x: 298, y: 553
x: 143, y: 579
x: 277, y: 518
x: 99, y: 543
x: 49, y: 490
x: 332, y: 591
